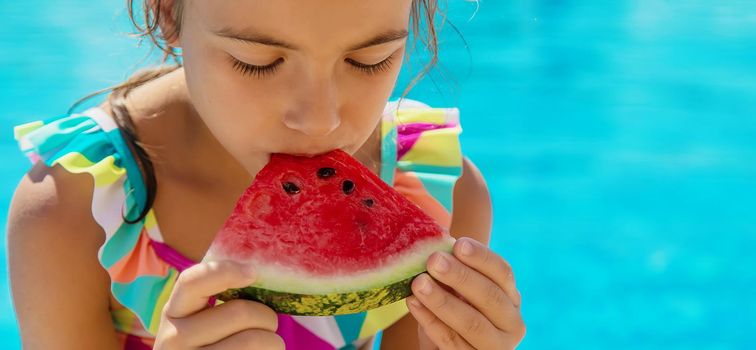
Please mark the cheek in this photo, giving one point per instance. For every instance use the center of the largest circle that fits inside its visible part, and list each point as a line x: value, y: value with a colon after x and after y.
x: 214, y: 83
x: 216, y: 87
x: 373, y: 87
x: 366, y: 96
x: 232, y: 106
x: 220, y: 93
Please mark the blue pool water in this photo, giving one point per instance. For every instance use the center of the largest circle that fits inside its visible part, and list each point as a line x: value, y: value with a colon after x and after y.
x: 618, y: 139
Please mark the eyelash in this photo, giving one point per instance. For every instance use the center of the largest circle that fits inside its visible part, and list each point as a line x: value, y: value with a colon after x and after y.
x: 372, y: 69
x: 253, y: 70
x: 263, y: 71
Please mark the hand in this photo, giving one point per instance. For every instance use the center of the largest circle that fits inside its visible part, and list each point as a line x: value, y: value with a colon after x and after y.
x: 188, y: 322
x: 476, y: 306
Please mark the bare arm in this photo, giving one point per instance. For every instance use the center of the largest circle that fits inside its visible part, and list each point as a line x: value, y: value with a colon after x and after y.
x: 471, y: 217
x: 60, y: 291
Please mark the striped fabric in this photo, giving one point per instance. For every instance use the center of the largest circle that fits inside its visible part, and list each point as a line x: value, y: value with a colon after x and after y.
x: 421, y: 158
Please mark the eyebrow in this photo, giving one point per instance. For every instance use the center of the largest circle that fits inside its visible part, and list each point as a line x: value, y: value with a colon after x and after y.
x: 253, y: 37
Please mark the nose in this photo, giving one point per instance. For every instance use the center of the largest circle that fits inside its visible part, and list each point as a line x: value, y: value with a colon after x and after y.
x: 317, y: 113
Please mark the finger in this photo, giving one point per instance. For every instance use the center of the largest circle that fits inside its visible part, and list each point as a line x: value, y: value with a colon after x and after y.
x: 478, y: 290
x: 216, y: 323
x: 198, y: 283
x: 462, y: 318
x: 249, y: 339
x: 439, y: 333
x: 490, y: 264
x: 423, y: 341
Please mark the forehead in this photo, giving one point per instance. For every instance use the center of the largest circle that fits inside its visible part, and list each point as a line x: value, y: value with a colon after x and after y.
x: 305, y: 23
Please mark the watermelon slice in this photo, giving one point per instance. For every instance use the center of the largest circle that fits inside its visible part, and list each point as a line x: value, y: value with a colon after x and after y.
x: 326, y: 237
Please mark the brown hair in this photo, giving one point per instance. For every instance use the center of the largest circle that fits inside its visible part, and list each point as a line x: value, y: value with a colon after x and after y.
x: 153, y: 16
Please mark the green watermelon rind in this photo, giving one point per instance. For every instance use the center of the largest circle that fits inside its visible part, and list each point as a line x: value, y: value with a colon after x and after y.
x: 282, y: 278
x: 323, y: 304
x: 342, y: 284
x: 339, y: 303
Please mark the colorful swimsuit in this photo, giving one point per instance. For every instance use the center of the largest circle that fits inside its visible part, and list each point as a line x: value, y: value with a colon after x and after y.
x: 421, y: 158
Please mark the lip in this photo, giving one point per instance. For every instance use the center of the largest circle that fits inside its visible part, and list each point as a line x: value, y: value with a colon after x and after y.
x: 309, y: 154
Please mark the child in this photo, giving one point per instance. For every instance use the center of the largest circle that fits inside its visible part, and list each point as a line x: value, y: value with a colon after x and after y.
x: 91, y: 268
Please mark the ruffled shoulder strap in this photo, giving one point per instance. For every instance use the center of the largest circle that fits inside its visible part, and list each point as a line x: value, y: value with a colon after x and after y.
x: 421, y: 154
x: 90, y: 142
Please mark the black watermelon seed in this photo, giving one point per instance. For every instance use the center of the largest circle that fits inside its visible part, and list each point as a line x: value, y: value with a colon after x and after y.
x: 368, y: 202
x: 347, y: 186
x: 291, y: 188
x: 325, y: 173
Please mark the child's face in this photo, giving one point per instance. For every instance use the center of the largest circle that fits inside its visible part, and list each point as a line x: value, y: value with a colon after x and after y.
x: 316, y: 99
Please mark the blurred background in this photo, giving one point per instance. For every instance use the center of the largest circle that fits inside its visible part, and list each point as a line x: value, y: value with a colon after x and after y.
x: 618, y: 140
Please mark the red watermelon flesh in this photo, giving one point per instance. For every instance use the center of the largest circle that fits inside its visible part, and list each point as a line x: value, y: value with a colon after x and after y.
x: 327, y: 227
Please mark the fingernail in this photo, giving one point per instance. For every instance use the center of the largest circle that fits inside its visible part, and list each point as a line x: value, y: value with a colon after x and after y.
x: 442, y: 264
x: 519, y: 297
x: 425, y: 286
x: 466, y: 248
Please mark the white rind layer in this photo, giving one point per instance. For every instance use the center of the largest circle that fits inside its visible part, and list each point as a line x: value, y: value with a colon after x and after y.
x: 291, y: 280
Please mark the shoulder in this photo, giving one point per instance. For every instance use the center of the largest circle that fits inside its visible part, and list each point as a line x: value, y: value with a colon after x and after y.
x: 472, y: 215
x: 51, y: 196
x: 52, y: 245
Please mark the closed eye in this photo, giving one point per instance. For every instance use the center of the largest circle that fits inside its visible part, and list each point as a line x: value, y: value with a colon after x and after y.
x: 266, y: 70
x: 254, y: 70
x: 371, y: 69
